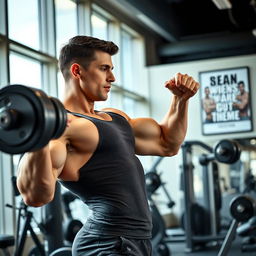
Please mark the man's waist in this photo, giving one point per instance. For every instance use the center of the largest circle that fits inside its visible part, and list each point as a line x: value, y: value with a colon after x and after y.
x: 136, y: 229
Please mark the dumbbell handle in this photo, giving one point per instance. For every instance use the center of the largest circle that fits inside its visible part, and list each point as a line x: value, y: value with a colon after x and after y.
x: 204, y: 159
x: 225, y: 151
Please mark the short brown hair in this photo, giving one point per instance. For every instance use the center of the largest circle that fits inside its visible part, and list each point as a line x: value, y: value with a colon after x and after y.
x: 81, y: 49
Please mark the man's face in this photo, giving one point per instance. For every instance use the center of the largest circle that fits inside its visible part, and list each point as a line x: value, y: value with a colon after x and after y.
x: 241, y: 88
x: 207, y: 91
x: 97, y: 78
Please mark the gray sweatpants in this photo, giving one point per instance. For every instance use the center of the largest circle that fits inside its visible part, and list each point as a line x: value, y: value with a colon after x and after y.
x: 86, y: 244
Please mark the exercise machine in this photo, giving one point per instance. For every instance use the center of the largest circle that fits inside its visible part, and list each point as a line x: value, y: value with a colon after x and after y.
x: 6, y: 241
x: 247, y: 230
x: 71, y: 226
x: 24, y: 221
x: 153, y: 182
x: 201, y: 222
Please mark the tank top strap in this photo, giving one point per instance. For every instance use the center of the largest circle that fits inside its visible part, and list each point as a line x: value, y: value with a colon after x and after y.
x: 113, y: 115
x: 80, y: 115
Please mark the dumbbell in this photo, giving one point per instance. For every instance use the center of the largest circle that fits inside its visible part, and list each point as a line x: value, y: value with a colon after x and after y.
x: 225, y: 151
x: 29, y: 119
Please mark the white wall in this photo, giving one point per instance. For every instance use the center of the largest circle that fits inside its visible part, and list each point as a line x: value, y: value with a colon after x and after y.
x: 160, y: 99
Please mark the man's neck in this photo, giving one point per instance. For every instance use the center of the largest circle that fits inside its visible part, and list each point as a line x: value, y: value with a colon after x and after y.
x: 76, y: 101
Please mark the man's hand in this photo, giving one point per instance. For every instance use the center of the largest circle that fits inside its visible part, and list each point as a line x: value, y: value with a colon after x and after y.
x: 183, y: 86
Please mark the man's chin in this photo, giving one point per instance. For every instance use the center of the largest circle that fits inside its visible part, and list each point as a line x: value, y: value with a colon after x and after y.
x: 105, y: 97
x: 102, y: 99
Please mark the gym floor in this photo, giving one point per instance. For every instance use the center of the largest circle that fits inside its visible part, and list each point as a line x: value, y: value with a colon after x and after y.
x: 178, y: 248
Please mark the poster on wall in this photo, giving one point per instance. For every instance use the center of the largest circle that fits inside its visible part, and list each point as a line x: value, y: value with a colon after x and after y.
x: 225, y: 101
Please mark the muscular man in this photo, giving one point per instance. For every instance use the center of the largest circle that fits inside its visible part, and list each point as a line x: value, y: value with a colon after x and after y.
x: 209, y: 105
x: 242, y: 101
x: 95, y: 157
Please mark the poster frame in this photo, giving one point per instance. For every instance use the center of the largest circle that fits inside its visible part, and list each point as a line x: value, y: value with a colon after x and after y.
x: 204, y: 125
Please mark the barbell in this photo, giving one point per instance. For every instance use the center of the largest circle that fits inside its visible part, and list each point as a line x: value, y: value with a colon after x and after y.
x: 29, y: 119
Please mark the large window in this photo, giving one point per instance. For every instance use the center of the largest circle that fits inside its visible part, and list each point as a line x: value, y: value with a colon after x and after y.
x: 24, y: 70
x: 129, y: 106
x: 66, y: 27
x: 66, y: 21
x: 99, y: 26
x: 37, y: 29
x: 24, y: 22
x: 127, y: 60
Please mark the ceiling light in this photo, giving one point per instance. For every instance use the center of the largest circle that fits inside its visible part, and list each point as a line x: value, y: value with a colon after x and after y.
x: 254, y: 32
x: 222, y: 4
x: 253, y: 141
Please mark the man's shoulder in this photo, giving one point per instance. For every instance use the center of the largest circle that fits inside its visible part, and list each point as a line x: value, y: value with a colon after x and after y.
x: 116, y: 111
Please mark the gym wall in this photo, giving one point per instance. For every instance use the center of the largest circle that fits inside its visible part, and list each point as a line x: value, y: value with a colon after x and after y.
x: 160, y: 100
x: 159, y: 74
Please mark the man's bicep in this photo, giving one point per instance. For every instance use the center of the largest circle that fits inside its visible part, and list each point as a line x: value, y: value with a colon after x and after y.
x: 148, y: 147
x: 148, y: 135
x: 146, y: 128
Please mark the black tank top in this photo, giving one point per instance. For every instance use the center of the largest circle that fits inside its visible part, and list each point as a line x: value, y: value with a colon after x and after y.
x: 112, y: 183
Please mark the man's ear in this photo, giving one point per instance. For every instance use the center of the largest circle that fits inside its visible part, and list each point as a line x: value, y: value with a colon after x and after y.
x: 75, y: 70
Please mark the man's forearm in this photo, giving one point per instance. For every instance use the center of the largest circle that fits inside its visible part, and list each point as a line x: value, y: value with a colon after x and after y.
x: 36, y: 180
x: 174, y: 124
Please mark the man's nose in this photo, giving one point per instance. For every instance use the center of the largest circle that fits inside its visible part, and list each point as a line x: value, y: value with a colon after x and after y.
x: 111, y: 77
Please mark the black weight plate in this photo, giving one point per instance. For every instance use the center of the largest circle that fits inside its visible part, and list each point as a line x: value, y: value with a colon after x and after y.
x: 61, y: 118
x: 200, y: 220
x: 37, y: 116
x: 71, y: 227
x: 242, y: 208
x: 153, y: 182
x: 163, y: 249
x: 223, y: 151
x: 226, y: 151
x: 237, y: 154
x: 46, y: 121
